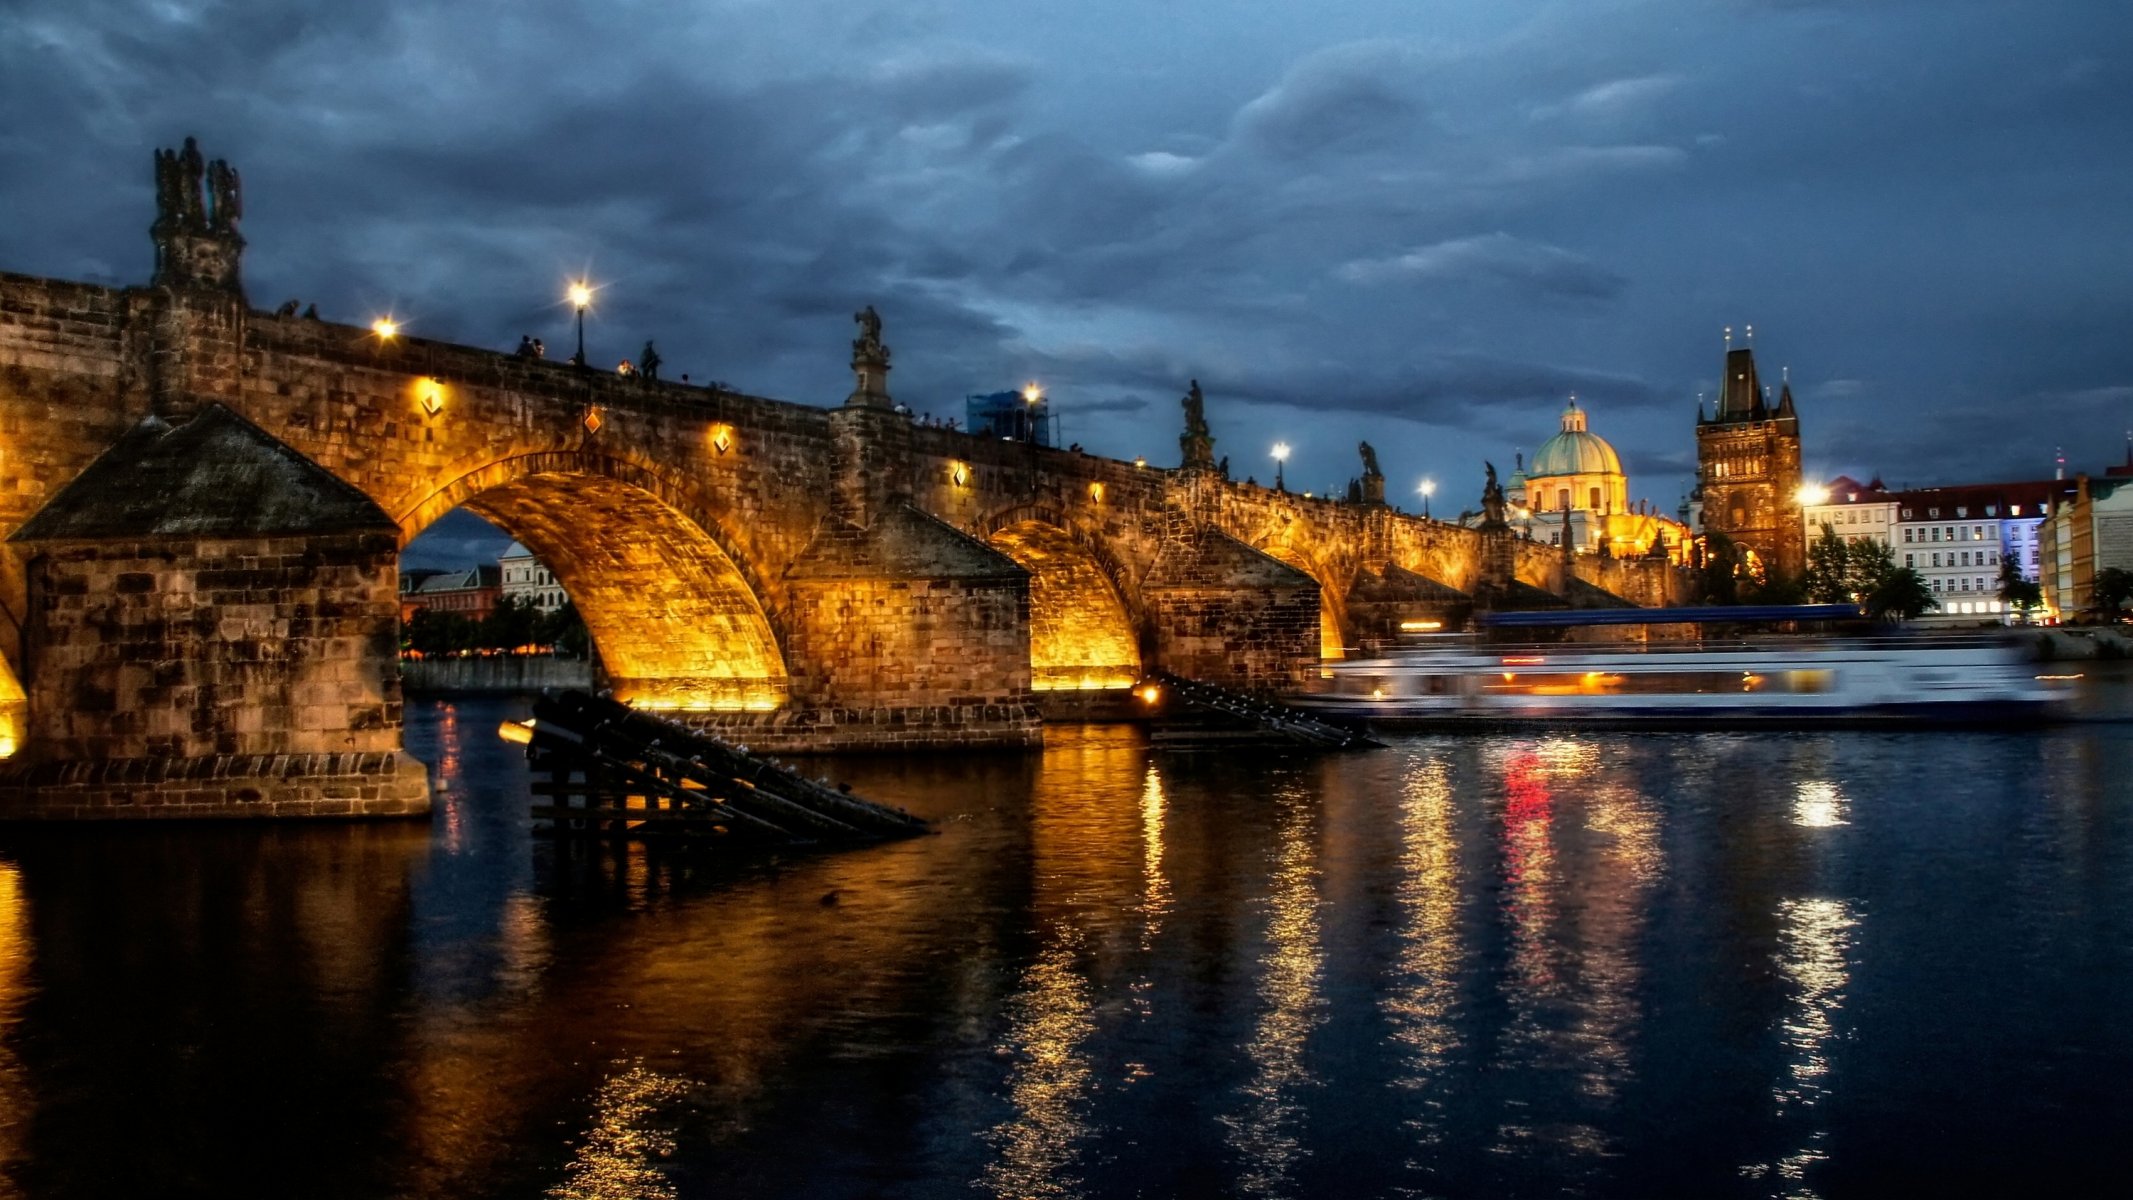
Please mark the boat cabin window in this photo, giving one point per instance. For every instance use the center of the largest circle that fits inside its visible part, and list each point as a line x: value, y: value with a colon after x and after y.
x: 1656, y: 683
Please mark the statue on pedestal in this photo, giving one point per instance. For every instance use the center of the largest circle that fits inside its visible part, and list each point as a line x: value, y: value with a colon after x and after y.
x: 1197, y: 442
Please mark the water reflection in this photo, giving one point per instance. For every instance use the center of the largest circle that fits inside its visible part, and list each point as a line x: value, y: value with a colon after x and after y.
x: 618, y: 1158
x: 1581, y: 853
x: 1475, y: 965
x: 1268, y: 1134
x: 1815, y: 940
x: 1819, y: 805
x: 17, y: 1099
x: 1423, y: 995
x: 1049, y: 1023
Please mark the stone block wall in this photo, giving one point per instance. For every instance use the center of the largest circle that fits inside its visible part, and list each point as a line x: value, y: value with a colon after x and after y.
x: 938, y: 656
x: 174, y: 648
x: 1257, y: 639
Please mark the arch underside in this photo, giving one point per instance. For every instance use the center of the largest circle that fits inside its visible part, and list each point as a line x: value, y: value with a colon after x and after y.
x: 1331, y: 644
x: 1080, y: 634
x: 674, y: 620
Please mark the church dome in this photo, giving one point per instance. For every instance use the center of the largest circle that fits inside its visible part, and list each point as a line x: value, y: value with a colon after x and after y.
x: 1574, y: 451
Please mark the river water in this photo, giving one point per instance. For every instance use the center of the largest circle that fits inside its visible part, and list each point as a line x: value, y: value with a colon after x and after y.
x: 1708, y: 965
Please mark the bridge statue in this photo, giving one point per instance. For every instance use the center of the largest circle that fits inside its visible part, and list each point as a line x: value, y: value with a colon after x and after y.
x: 197, y: 243
x: 1197, y: 442
x: 1370, y: 489
x: 869, y: 343
x: 870, y: 364
x: 1492, y: 502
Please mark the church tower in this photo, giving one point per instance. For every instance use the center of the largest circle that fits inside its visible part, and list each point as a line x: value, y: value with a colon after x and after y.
x: 1748, y: 466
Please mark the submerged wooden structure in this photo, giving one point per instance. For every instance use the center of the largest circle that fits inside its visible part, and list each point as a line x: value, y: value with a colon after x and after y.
x: 602, y: 768
x: 1226, y: 716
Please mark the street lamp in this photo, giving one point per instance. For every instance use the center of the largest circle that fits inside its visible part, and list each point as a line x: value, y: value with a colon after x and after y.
x: 581, y: 298
x: 1428, y: 486
x: 1281, y: 455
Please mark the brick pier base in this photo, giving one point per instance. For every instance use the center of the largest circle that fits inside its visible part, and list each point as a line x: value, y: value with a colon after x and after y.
x: 377, y: 784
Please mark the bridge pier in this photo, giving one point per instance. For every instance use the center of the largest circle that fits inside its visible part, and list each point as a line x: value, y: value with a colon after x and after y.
x: 1222, y: 612
x: 212, y: 632
x: 903, y: 633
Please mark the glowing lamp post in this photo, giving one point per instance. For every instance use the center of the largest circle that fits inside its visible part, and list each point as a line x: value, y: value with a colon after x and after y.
x: 1281, y: 456
x: 386, y: 328
x: 1428, y: 486
x: 581, y: 298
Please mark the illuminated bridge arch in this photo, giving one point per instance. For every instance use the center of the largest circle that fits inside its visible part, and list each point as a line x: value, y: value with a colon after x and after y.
x: 676, y: 615
x: 1332, y: 606
x: 1082, y: 628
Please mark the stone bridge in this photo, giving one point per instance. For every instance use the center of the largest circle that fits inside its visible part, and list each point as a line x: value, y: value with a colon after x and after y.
x: 204, y: 505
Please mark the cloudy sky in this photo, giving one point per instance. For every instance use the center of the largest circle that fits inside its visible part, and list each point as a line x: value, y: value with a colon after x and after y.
x: 1421, y: 223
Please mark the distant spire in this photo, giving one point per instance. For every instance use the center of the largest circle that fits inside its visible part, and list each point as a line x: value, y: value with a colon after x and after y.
x: 2059, y: 457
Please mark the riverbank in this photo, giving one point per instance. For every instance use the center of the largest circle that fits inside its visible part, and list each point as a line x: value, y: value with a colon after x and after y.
x: 493, y: 675
x: 2068, y: 643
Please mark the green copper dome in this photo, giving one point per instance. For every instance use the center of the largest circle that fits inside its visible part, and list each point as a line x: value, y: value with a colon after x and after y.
x: 1574, y: 451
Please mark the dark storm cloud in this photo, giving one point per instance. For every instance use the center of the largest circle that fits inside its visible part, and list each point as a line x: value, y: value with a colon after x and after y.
x: 1531, y: 267
x: 1424, y: 233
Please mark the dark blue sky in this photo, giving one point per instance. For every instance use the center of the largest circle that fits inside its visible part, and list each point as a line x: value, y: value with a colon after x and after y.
x: 1420, y: 224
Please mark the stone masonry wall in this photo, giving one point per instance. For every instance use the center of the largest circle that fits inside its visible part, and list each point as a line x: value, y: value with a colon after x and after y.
x: 70, y: 384
x: 1260, y: 640
x: 897, y: 662
x: 267, y: 646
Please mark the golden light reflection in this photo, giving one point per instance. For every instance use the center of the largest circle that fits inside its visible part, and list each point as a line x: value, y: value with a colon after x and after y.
x: 1038, y: 1148
x: 618, y: 1158
x: 1155, y: 888
x: 1815, y: 938
x: 17, y: 1105
x: 1267, y: 1135
x: 1419, y: 1006
x: 1817, y: 804
x: 14, y: 710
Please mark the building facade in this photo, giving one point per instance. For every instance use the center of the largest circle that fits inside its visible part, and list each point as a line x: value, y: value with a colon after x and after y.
x: 526, y: 581
x: 1854, y: 511
x: 2092, y: 531
x: 1748, y: 468
x: 1575, y: 482
x: 471, y: 594
x: 1959, y: 538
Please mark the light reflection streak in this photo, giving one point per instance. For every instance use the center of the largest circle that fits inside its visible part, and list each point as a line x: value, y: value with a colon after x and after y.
x: 1155, y: 886
x: 1581, y: 853
x: 1419, y: 1005
x: 617, y: 1160
x: 449, y: 804
x: 16, y: 1103
x: 1815, y: 947
x: 1040, y: 1146
x: 1267, y: 1135
x: 1817, y: 804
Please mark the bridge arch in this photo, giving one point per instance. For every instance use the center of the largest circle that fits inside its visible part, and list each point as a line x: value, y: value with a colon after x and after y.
x: 1083, y: 626
x: 677, y: 616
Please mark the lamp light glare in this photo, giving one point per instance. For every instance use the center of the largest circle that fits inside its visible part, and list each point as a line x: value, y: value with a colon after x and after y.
x: 581, y: 294
x: 386, y: 328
